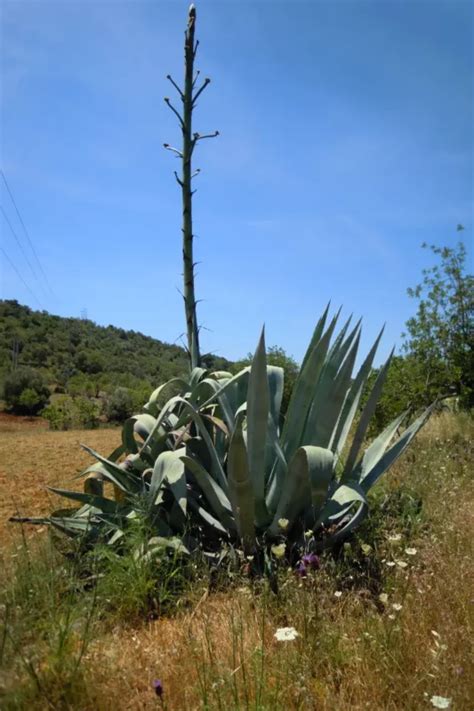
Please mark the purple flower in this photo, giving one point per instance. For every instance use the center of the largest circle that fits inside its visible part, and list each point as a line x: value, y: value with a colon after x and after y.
x: 158, y: 687
x: 311, y: 560
x: 301, y: 570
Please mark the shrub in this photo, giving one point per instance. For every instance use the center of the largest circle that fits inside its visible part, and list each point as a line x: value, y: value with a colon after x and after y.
x: 120, y: 405
x: 25, y: 391
x: 67, y: 413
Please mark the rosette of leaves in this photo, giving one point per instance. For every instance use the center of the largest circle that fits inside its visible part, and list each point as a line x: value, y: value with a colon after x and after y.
x: 207, y: 463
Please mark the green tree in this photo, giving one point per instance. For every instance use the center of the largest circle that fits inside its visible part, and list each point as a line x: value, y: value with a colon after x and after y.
x: 25, y: 391
x: 441, y: 334
x: 120, y: 406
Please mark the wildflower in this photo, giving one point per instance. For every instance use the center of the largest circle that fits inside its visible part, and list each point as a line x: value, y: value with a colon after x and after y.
x: 401, y: 563
x: 338, y: 593
x: 311, y: 560
x: 158, y: 687
x: 301, y: 570
x: 279, y: 551
x: 286, y: 634
x: 410, y: 551
x: 366, y: 548
x: 308, y: 534
x: 390, y: 563
x: 395, y: 537
x: 283, y: 523
x: 396, y: 606
x: 440, y: 702
x: 383, y: 597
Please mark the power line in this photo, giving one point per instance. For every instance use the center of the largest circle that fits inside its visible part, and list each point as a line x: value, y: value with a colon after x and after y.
x: 20, y: 277
x: 26, y: 232
x: 18, y: 241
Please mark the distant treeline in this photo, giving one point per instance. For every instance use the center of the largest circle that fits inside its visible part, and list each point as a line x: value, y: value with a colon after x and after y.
x: 76, y: 357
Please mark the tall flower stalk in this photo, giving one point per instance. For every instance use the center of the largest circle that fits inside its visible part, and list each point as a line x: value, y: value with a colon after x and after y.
x: 189, y: 96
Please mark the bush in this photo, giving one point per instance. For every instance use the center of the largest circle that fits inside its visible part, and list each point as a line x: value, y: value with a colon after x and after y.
x: 120, y: 405
x: 25, y: 391
x: 67, y: 413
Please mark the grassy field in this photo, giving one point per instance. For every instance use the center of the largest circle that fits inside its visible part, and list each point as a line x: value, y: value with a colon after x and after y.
x: 385, y: 625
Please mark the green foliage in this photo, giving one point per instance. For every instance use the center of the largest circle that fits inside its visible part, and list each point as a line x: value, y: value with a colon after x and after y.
x: 404, y: 389
x: 66, y: 413
x: 120, y: 405
x: 86, y: 359
x: 441, y: 334
x: 25, y: 391
x: 207, y: 468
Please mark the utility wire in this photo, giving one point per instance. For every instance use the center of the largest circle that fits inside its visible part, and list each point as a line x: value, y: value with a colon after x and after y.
x: 26, y: 232
x: 20, y: 277
x: 18, y: 242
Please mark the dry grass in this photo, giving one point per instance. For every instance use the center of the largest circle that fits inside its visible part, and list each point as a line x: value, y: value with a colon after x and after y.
x: 354, y: 651
x: 32, y: 457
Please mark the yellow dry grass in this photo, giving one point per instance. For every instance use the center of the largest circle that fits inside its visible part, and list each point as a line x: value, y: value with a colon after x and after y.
x: 32, y: 458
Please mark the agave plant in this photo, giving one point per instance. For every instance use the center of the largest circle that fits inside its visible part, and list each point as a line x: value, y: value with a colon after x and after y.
x: 206, y: 465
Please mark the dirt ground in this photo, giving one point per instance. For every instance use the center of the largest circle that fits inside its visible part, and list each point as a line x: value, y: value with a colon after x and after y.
x: 32, y: 458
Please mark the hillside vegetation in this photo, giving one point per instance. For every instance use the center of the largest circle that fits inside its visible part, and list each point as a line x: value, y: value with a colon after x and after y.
x: 80, y: 358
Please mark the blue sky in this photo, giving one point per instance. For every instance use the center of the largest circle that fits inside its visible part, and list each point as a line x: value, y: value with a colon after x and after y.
x: 346, y: 141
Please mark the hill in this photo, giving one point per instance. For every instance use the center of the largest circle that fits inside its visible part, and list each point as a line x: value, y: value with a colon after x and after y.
x: 78, y: 356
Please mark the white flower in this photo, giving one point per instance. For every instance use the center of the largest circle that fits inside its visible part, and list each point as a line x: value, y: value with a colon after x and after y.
x: 283, y: 523
x: 390, y: 563
x: 401, y: 563
x: 396, y: 606
x: 286, y: 634
x: 338, y: 593
x: 383, y: 597
x: 440, y: 702
x: 395, y: 537
x: 410, y: 551
x: 279, y: 551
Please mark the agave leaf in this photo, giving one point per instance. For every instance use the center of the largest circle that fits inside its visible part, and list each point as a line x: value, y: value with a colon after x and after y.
x: 197, y: 374
x: 231, y: 387
x: 213, y: 493
x: 329, y: 397
x: 276, y: 379
x: 365, y: 417
x: 370, y: 476
x: 223, y: 400
x: 317, y: 333
x: 98, y: 502
x: 190, y: 413
x: 173, y: 384
x: 207, y: 517
x: 257, y: 423
x: 342, y: 533
x: 169, y: 467
x: 303, y: 393
x: 378, y: 447
x: 340, y: 502
x: 127, y: 483
x: 240, y: 488
x: 351, y: 403
x: 309, y: 474
x: 72, y: 526
x: 220, y: 375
